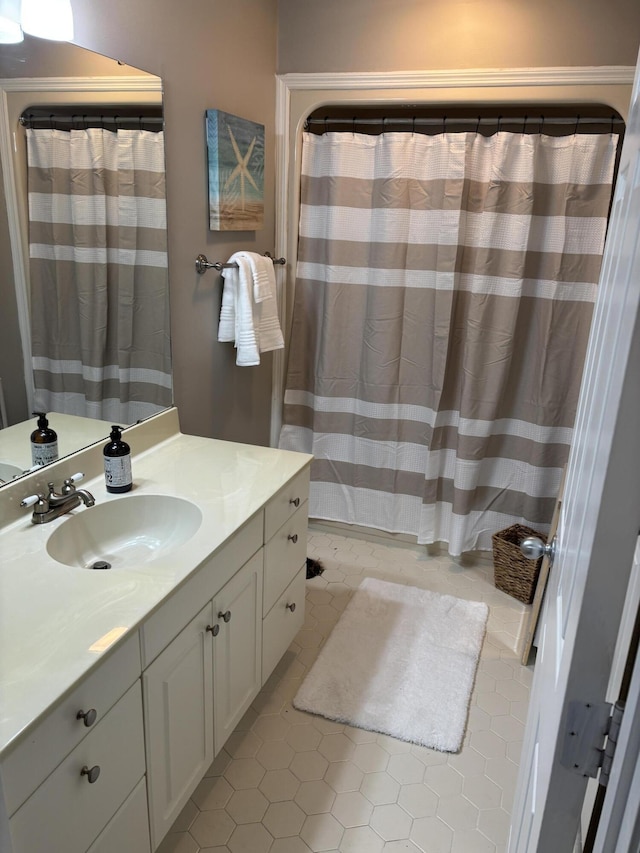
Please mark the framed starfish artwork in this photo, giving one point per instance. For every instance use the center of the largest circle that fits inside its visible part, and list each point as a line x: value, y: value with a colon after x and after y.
x: 235, y: 151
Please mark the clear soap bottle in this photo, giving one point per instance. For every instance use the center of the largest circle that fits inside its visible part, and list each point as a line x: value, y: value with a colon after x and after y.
x: 44, y: 442
x: 117, y: 463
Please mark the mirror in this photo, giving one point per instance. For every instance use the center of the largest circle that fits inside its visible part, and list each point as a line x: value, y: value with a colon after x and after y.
x: 31, y: 76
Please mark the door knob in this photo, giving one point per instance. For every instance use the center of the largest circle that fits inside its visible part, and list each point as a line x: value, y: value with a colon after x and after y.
x: 226, y: 616
x: 533, y: 548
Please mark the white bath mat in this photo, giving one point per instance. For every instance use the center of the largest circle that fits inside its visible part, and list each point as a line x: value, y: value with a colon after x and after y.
x: 401, y: 661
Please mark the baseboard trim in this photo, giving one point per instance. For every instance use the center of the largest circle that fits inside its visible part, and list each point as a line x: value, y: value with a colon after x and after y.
x: 397, y: 540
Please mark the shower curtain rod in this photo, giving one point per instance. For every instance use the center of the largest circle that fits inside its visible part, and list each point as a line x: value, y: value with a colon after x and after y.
x: 417, y: 121
x: 78, y: 121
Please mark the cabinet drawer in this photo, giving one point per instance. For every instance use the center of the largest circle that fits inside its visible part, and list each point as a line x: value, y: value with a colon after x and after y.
x: 285, y: 552
x: 67, y: 812
x: 128, y: 830
x: 167, y: 622
x: 284, y: 504
x: 60, y: 731
x: 282, y: 623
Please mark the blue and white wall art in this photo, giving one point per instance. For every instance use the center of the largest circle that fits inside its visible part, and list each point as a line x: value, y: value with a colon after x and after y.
x: 235, y: 148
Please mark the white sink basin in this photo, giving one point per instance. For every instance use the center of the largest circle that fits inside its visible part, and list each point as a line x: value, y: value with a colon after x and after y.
x: 125, y: 532
x: 8, y: 471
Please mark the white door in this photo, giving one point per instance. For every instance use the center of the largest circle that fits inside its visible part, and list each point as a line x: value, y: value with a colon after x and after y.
x: 599, y: 524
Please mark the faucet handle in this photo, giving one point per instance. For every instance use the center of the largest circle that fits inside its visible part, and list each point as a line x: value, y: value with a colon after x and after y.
x: 69, y: 483
x: 31, y: 500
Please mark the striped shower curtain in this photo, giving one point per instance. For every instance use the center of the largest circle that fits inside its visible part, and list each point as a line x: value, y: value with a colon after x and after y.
x: 443, y: 300
x: 98, y: 273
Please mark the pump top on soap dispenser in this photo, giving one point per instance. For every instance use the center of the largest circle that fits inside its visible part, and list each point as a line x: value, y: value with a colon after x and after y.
x: 117, y: 462
x: 44, y: 441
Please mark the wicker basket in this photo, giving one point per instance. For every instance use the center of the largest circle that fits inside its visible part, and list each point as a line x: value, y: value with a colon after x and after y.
x: 513, y: 572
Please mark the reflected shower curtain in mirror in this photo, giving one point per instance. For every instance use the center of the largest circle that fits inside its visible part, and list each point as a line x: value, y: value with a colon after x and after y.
x: 98, y: 273
x: 442, y: 307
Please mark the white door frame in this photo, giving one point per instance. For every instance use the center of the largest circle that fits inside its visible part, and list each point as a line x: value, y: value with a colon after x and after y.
x: 112, y: 89
x: 298, y: 94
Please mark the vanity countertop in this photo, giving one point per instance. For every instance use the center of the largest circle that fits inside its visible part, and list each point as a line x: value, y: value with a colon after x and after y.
x: 58, y: 622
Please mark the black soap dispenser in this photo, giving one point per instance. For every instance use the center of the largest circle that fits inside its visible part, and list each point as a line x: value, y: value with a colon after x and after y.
x: 44, y: 442
x: 117, y: 463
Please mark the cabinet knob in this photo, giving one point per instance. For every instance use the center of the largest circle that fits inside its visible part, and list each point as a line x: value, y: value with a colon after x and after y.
x: 226, y: 616
x: 213, y: 629
x: 91, y: 773
x: 291, y: 607
x: 293, y: 537
x: 89, y: 716
x: 295, y: 501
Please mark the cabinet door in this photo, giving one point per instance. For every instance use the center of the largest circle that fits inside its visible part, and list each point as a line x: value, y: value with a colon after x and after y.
x: 237, y: 649
x: 128, y: 830
x: 178, y: 712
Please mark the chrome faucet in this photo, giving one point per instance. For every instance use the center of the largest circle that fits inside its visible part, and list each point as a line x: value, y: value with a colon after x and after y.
x: 53, y: 505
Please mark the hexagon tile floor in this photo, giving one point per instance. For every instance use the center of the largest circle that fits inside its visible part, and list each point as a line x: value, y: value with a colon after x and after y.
x: 290, y: 782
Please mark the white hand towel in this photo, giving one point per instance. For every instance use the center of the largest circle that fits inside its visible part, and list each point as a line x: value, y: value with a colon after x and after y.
x: 269, y: 332
x: 249, y: 311
x: 264, y: 293
x: 237, y: 309
x: 227, y: 322
x: 264, y: 279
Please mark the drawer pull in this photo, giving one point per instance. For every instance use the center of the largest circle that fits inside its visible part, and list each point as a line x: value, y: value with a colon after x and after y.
x: 295, y: 501
x: 291, y: 607
x: 213, y: 629
x: 226, y: 616
x: 89, y: 716
x: 91, y: 773
x: 293, y: 537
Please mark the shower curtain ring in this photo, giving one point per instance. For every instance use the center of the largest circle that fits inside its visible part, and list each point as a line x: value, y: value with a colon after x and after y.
x: 478, y: 125
x: 524, y: 124
x: 575, y: 129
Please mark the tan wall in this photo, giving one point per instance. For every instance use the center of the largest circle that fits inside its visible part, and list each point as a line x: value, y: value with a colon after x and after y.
x: 410, y: 35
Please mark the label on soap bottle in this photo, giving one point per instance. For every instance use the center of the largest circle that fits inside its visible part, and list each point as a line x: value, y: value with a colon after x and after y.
x: 117, y: 470
x: 43, y: 454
